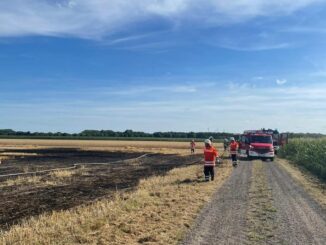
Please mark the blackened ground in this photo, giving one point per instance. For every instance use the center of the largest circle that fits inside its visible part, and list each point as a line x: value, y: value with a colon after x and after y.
x: 88, y: 184
x: 56, y: 158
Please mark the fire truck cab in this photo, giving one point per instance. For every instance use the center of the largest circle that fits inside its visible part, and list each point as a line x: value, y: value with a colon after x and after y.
x: 279, y: 139
x: 256, y: 144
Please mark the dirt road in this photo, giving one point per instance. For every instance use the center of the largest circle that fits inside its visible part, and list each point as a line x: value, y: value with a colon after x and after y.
x: 259, y: 204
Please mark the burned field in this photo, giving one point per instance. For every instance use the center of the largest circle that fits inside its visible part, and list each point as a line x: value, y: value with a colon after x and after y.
x: 99, y: 174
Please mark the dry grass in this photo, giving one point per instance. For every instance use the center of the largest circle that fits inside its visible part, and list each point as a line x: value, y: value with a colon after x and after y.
x: 55, y: 178
x: 158, y: 212
x: 105, y: 145
x: 310, y: 183
x: 31, y: 180
x: 261, y: 213
x: 2, y: 158
x: 17, y: 154
x: 62, y: 174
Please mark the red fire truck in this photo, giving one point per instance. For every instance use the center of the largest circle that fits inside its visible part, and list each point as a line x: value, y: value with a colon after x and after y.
x: 279, y: 139
x: 256, y: 144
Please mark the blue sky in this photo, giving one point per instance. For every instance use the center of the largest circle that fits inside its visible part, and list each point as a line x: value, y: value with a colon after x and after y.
x: 185, y: 65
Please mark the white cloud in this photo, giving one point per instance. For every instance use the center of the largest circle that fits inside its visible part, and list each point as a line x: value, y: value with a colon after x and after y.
x: 281, y: 81
x: 233, y: 86
x: 98, y: 18
x: 151, y: 89
x: 258, y: 78
x: 129, y: 39
x: 305, y: 29
x: 255, y: 47
x: 288, y: 108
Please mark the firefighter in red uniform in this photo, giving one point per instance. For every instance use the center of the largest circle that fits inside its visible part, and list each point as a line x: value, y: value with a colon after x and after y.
x: 210, y: 154
x: 233, y: 151
x: 192, y: 147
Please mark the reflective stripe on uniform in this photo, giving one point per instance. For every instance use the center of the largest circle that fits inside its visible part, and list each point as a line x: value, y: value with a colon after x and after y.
x: 209, y: 163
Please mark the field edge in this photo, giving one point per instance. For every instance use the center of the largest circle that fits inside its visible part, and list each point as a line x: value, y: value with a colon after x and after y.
x: 312, y: 185
x: 161, y: 210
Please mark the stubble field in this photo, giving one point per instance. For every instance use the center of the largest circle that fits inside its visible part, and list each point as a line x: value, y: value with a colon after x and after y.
x: 104, y: 167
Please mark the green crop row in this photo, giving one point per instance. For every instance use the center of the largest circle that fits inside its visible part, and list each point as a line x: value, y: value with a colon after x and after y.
x: 308, y: 153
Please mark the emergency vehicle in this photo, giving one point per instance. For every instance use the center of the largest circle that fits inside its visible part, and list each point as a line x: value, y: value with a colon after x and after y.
x: 279, y: 139
x: 256, y: 144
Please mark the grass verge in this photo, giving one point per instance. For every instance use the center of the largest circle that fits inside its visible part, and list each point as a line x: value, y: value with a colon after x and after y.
x: 310, y: 183
x: 261, y: 213
x: 158, y: 212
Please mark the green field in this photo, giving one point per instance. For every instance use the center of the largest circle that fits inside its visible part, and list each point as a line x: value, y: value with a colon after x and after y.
x: 309, y: 154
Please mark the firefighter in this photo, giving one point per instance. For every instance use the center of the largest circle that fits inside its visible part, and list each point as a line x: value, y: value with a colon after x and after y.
x: 233, y: 151
x: 210, y: 154
x: 192, y: 146
x: 211, y: 139
x: 226, y: 143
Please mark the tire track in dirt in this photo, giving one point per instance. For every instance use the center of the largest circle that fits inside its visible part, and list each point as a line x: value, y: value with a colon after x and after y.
x: 300, y: 219
x: 223, y: 220
x: 265, y: 206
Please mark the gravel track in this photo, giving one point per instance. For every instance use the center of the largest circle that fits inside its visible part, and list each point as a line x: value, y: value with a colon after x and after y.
x: 223, y: 220
x: 299, y: 219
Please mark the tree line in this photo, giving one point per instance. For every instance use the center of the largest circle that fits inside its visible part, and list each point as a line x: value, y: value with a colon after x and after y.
x: 134, y: 134
x: 117, y: 134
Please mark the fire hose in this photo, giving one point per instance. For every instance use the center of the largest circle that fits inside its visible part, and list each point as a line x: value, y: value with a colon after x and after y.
x: 75, y: 166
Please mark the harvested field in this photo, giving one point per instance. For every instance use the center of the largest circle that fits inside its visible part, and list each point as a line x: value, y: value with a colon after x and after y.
x: 159, y: 211
x: 103, y: 145
x: 27, y: 196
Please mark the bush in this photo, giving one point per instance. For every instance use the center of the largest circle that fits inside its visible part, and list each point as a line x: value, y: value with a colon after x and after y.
x: 308, y: 153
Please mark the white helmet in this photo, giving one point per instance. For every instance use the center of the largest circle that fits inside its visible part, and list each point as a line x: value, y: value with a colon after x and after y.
x: 207, y: 141
x: 232, y: 139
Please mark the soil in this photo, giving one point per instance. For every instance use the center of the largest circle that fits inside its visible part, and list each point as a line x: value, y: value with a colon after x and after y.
x: 297, y: 218
x: 87, y: 185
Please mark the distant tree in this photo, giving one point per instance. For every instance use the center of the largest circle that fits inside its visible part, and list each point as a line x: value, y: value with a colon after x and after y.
x: 7, y: 132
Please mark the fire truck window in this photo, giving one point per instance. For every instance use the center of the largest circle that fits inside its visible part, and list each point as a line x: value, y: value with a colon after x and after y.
x: 261, y: 139
x: 243, y: 139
